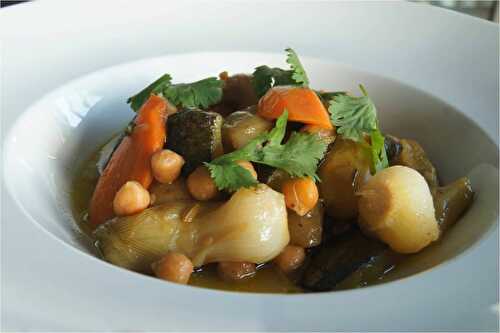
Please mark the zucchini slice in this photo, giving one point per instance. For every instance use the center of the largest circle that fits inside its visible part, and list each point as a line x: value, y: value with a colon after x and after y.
x: 195, y: 135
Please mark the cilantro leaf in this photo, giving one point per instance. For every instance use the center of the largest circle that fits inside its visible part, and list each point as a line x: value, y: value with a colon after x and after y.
x: 299, y: 74
x: 299, y: 157
x: 201, y: 94
x: 230, y: 176
x: 379, y: 155
x: 156, y: 87
x: 356, y: 119
x: 353, y: 116
x: 265, y: 77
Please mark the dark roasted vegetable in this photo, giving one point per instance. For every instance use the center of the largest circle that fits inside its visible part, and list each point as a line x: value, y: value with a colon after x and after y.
x: 392, y: 147
x: 413, y: 155
x: 242, y: 126
x: 344, y: 169
x: 306, y: 231
x: 195, y: 135
x: 238, y: 92
x: 451, y: 201
x: 373, y: 271
x: 337, y: 259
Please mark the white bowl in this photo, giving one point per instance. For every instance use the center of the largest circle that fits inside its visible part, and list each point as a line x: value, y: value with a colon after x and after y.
x: 61, y: 129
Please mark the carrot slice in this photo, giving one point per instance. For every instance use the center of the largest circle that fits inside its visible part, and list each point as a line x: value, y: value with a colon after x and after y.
x: 131, y: 160
x: 302, y: 104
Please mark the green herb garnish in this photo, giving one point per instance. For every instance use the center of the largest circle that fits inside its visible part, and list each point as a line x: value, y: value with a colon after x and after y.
x: 299, y: 157
x: 356, y: 119
x: 199, y: 94
x: 156, y: 87
x: 265, y: 77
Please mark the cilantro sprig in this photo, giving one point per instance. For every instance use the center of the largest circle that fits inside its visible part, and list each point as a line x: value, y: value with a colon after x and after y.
x: 265, y: 77
x: 299, y: 157
x: 356, y: 119
x: 299, y: 74
x: 199, y: 94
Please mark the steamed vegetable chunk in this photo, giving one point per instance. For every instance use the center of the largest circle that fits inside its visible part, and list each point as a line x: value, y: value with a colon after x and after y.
x: 241, y: 127
x: 345, y: 169
x: 396, y: 206
x: 258, y: 182
x: 451, y: 201
x: 231, y: 231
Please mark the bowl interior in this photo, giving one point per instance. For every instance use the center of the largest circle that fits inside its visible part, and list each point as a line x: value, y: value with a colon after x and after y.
x: 61, y: 130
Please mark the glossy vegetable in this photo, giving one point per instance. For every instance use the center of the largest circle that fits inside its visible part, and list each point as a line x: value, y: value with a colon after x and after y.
x: 337, y: 259
x: 238, y: 92
x: 242, y: 126
x: 413, y: 155
x: 396, y: 206
x: 302, y: 104
x: 451, y: 201
x: 345, y: 168
x: 131, y: 160
x: 251, y: 227
x: 306, y: 231
x: 195, y: 135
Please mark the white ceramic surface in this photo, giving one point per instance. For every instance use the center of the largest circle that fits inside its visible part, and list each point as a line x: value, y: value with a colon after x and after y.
x: 41, y: 268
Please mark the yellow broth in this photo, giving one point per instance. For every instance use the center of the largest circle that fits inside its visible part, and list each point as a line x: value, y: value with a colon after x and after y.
x: 268, y: 279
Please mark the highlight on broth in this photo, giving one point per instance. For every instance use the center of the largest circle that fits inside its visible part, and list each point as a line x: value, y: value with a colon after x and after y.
x: 260, y: 183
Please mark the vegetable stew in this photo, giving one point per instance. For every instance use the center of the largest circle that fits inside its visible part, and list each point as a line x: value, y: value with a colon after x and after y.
x: 260, y: 183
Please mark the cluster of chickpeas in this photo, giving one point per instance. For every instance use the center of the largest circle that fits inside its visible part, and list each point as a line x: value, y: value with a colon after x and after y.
x: 301, y: 195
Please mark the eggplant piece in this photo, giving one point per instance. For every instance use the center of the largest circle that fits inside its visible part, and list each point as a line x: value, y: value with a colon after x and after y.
x: 451, y: 201
x: 372, y: 272
x: 392, y: 147
x: 345, y: 168
x: 413, y: 155
x: 337, y: 259
x: 195, y: 135
x: 241, y: 127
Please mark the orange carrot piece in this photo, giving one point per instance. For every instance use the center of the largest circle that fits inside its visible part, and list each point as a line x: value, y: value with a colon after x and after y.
x: 131, y: 160
x: 302, y: 104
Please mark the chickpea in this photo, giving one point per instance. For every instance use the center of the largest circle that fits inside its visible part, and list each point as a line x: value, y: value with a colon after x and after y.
x: 173, y: 267
x: 130, y: 199
x: 166, y: 166
x: 290, y: 258
x: 301, y: 194
x: 249, y: 166
x: 200, y: 185
x: 233, y: 270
